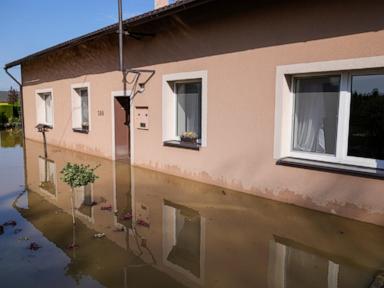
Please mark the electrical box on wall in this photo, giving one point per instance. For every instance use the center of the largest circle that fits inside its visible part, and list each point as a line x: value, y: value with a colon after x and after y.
x: 142, y: 117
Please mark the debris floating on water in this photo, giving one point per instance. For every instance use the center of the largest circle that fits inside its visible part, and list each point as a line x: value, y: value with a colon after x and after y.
x: 93, y: 203
x: 121, y: 229
x: 99, y: 235
x: 24, y: 238
x: 1, y: 229
x: 34, y: 246
x: 10, y: 223
x: 17, y: 231
x: 127, y: 216
x: 72, y: 246
x: 142, y: 223
x: 106, y: 208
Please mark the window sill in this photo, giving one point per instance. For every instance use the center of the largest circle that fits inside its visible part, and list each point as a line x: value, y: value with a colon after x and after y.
x: 332, y: 167
x: 183, y: 145
x: 79, y: 130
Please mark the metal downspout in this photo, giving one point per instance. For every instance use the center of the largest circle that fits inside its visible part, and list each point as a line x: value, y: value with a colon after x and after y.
x: 121, y: 34
x: 22, y: 121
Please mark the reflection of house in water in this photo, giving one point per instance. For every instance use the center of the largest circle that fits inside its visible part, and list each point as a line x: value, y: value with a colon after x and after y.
x: 188, y: 234
x: 293, y: 265
x: 183, y: 240
x: 47, y: 174
x: 84, y: 201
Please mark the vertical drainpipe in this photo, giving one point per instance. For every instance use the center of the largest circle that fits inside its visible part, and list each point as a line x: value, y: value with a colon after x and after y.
x: 20, y: 83
x: 121, y: 33
x: 121, y: 66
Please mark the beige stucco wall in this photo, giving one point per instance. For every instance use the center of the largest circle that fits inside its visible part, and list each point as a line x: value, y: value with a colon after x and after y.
x: 240, y: 51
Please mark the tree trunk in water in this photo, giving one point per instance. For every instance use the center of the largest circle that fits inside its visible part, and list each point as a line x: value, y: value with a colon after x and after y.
x: 73, y: 207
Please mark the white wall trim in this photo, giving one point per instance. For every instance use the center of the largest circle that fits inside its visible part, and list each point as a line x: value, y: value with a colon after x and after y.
x: 168, y: 103
x: 37, y: 96
x: 284, y: 106
x: 121, y: 93
x: 74, y: 94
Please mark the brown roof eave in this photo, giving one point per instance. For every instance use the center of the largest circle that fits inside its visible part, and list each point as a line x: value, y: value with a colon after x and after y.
x: 147, y: 17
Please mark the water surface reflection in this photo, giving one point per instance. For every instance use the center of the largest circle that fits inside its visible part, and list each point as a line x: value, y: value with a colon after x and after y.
x: 165, y: 231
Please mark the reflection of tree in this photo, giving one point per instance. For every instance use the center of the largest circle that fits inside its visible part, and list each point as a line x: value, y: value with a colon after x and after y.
x: 11, y: 138
x: 366, y: 128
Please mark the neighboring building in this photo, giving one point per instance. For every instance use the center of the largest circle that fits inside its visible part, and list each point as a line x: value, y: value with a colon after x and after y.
x: 4, y: 96
x: 286, y: 98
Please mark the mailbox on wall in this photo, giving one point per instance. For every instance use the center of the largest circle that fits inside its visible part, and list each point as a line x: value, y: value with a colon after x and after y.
x: 142, y: 117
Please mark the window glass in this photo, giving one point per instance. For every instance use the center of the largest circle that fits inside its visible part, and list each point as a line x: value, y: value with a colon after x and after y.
x: 84, y: 107
x: 366, y: 123
x: 188, y: 107
x: 316, y: 114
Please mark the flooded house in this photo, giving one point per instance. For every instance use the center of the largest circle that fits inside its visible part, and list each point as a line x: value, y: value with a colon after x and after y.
x: 278, y: 99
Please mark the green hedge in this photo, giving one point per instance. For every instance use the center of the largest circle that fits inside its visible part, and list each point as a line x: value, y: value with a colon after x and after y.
x: 8, y: 111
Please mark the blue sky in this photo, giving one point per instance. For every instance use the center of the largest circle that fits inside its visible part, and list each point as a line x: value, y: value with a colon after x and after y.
x: 27, y: 26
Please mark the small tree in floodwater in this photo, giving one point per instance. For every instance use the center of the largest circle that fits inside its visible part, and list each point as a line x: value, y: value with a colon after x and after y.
x: 78, y: 175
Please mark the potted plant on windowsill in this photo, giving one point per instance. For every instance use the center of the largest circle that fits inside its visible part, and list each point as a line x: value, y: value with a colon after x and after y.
x: 85, y: 126
x: 189, y: 137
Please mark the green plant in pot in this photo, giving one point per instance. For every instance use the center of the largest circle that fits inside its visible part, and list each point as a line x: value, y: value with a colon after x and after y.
x: 78, y: 175
x: 189, y: 136
x: 85, y: 126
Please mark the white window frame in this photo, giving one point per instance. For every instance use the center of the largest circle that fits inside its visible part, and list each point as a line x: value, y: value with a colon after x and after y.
x: 170, y: 103
x: 284, y: 107
x: 74, y: 94
x: 52, y: 165
x: 38, y: 102
x: 170, y: 240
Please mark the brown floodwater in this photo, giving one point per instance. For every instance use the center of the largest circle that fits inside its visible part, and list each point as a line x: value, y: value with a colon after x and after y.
x: 158, y: 230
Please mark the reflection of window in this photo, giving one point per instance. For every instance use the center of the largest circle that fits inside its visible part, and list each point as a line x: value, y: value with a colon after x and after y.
x: 44, y: 107
x: 183, y: 241
x: 336, y: 117
x: 300, y: 266
x: 80, y: 108
x: 47, y: 176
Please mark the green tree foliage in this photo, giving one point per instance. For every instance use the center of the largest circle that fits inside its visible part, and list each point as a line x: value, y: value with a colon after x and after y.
x: 13, y: 96
x: 78, y: 175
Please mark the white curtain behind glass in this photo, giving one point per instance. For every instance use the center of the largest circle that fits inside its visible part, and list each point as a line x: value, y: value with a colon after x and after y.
x: 48, y: 108
x: 316, y: 110
x: 188, y: 107
x: 84, y: 107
